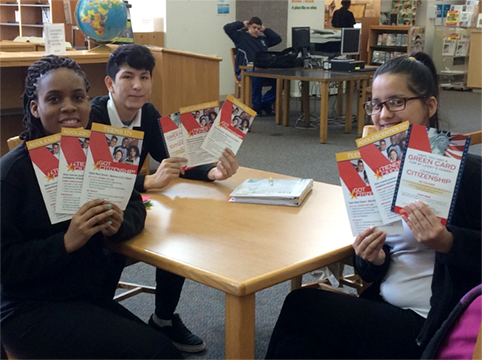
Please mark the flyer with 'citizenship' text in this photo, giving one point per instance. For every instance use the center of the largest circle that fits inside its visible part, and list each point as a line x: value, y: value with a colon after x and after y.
x: 431, y: 170
x: 107, y: 175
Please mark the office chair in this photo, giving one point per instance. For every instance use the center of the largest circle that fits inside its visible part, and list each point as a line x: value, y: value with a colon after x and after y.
x: 237, y: 82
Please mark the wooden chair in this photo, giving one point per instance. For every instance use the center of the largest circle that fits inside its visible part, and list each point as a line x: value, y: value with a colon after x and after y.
x: 237, y: 82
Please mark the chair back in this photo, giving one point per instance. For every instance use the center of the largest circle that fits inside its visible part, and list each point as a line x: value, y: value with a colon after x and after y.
x: 13, y: 142
x: 237, y: 82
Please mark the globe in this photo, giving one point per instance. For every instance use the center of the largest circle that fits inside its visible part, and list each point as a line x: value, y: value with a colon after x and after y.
x: 101, y: 20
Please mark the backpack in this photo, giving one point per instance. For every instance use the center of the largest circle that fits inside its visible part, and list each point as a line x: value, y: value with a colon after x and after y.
x: 276, y: 59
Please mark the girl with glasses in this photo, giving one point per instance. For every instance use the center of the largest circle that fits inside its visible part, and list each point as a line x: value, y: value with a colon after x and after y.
x: 417, y: 277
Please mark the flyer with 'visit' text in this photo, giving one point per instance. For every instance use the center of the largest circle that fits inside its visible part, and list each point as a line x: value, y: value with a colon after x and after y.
x: 74, y: 145
x: 108, y: 176
x: 172, y: 132
x: 44, y: 153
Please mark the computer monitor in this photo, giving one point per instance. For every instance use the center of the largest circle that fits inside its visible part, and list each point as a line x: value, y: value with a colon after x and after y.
x: 300, y: 39
x: 350, y: 41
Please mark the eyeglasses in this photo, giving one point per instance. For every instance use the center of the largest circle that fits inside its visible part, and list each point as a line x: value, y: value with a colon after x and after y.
x: 392, y: 104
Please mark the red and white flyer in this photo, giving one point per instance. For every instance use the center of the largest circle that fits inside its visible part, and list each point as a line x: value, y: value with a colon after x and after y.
x: 382, y: 152
x: 111, y: 176
x: 44, y: 153
x: 196, y: 121
x: 431, y: 170
x: 74, y: 145
x: 360, y: 202
x: 172, y: 132
x: 229, y: 128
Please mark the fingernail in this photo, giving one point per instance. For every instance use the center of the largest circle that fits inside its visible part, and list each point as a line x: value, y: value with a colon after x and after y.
x: 109, y: 212
x: 109, y: 205
x: 110, y: 222
x: 101, y: 198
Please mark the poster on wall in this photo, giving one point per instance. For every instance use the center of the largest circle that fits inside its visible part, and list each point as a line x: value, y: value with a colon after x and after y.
x: 406, y: 9
x: 223, y: 7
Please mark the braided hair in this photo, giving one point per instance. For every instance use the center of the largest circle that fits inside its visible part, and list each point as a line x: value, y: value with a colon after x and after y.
x: 32, y: 126
x: 421, y: 76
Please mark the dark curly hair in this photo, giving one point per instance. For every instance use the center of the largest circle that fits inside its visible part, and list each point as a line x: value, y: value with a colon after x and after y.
x: 32, y: 126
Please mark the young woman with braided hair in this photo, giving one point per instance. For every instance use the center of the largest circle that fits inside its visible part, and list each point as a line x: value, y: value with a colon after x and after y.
x: 418, y: 276
x: 57, y: 280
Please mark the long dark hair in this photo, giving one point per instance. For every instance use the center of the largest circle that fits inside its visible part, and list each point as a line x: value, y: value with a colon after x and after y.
x: 421, y: 76
x: 32, y: 126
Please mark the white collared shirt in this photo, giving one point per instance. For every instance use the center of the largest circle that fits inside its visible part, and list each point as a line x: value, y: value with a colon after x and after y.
x: 115, y: 119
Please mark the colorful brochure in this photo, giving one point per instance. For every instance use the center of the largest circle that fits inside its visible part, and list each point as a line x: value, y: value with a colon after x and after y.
x: 229, y: 128
x: 382, y: 152
x: 44, y: 153
x: 196, y: 121
x: 74, y: 145
x: 431, y: 170
x: 108, y: 176
x: 172, y: 132
x: 360, y: 202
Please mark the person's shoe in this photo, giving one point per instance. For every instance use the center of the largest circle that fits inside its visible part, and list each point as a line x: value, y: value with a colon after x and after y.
x: 180, y: 335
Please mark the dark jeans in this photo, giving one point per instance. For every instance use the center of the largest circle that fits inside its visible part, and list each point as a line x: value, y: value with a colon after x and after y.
x: 261, y: 101
x: 168, y: 293
x: 83, y: 330
x: 317, y: 324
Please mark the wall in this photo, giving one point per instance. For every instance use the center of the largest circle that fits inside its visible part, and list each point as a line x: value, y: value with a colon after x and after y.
x: 195, y: 26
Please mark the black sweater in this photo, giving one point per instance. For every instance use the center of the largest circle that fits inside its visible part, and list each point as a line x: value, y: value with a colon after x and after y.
x: 35, y: 265
x: 247, y: 45
x: 343, y: 18
x: 458, y: 271
x: 153, y: 143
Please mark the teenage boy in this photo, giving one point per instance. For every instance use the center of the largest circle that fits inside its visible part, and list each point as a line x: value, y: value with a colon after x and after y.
x: 129, y: 81
x: 249, y: 37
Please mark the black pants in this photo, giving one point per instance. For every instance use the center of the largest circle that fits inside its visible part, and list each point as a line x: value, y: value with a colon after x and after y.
x: 168, y: 293
x: 317, y: 324
x: 83, y: 330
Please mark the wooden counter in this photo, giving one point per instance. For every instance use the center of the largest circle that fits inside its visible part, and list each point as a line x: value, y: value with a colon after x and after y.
x: 474, y: 75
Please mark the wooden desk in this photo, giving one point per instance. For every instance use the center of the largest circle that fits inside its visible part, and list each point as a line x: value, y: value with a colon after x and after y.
x: 178, y: 76
x: 284, y: 76
x: 192, y: 230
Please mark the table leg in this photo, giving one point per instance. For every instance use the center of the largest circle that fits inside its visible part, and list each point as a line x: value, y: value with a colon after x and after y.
x: 296, y: 282
x: 286, y: 103
x: 239, y: 325
x: 279, y: 100
x: 360, y: 117
x: 324, y: 112
x: 248, y: 98
x: 305, y: 94
x: 339, y: 99
x: 348, y: 106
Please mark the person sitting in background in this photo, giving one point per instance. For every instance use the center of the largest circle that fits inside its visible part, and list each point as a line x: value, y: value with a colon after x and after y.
x: 343, y: 18
x: 417, y: 277
x: 129, y: 81
x: 249, y: 37
x: 58, y: 281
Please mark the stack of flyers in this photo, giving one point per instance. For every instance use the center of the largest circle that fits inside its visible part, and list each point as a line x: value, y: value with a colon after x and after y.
x: 44, y: 153
x: 74, y: 146
x: 111, y: 175
x: 360, y: 201
x: 172, y: 132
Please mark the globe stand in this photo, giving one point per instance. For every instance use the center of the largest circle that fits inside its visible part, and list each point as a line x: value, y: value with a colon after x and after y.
x: 102, y: 47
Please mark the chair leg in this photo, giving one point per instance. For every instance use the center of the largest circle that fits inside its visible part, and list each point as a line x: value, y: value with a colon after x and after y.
x: 132, y: 289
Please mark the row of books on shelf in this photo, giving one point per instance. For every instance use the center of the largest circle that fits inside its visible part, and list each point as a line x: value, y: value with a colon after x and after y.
x: 398, y: 166
x: 380, y: 56
x: 391, y: 39
x: 80, y: 165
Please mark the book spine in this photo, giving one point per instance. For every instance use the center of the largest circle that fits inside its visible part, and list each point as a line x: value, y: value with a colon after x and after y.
x: 459, y: 179
x: 400, y: 172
